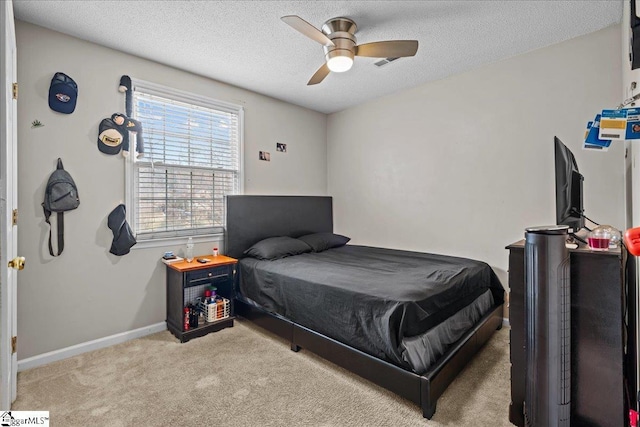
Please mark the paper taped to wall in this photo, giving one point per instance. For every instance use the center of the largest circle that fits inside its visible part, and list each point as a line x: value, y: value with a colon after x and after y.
x: 591, y: 136
x: 620, y: 125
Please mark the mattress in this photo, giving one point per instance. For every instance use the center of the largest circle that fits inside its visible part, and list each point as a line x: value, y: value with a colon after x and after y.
x: 402, y: 307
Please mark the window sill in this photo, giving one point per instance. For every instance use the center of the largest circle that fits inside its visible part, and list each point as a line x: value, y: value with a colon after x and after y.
x: 170, y: 242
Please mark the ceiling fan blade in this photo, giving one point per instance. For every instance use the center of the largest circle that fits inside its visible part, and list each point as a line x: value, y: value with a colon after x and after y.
x: 388, y: 49
x: 319, y: 75
x: 307, y: 29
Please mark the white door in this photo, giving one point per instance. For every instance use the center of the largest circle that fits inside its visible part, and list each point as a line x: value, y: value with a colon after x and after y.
x: 8, y: 203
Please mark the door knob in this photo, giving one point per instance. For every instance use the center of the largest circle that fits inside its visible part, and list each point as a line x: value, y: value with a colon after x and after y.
x: 17, y: 263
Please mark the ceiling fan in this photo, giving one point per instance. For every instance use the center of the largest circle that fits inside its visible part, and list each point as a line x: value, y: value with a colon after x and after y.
x: 339, y: 44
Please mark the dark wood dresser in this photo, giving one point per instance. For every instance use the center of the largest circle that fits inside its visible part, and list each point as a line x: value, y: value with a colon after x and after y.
x: 603, y: 349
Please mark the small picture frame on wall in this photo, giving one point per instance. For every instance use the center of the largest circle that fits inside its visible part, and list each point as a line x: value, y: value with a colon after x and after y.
x: 266, y: 156
x: 281, y: 147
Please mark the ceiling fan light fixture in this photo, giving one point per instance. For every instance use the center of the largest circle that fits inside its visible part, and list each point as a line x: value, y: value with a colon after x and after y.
x: 340, y: 45
x: 340, y: 64
x: 340, y: 59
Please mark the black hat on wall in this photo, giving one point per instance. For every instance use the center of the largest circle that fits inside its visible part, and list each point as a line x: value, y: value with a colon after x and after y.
x: 63, y: 93
x: 111, y: 136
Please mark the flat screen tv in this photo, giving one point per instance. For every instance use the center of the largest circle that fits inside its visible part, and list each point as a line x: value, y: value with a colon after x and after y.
x: 569, y: 208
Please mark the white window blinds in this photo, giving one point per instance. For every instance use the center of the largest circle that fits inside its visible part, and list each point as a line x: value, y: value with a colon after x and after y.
x: 191, y: 162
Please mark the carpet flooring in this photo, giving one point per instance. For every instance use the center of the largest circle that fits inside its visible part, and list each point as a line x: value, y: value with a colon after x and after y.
x: 245, y: 376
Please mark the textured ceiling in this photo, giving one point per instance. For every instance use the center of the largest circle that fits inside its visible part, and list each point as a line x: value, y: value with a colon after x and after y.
x: 244, y: 43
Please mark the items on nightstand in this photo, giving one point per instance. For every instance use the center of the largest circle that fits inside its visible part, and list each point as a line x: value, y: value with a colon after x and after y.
x: 214, y: 307
x: 186, y: 319
x: 169, y: 257
x: 194, y: 313
x: 188, y: 254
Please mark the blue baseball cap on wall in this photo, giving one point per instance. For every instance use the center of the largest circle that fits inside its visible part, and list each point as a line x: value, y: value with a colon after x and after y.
x: 63, y: 94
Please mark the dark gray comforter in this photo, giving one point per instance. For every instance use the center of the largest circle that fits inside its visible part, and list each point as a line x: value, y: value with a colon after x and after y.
x: 387, y: 303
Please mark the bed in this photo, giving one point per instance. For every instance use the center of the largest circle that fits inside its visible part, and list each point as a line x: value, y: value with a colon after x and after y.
x: 406, y: 321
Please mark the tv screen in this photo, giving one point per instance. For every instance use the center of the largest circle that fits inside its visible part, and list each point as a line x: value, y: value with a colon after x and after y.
x: 569, y: 208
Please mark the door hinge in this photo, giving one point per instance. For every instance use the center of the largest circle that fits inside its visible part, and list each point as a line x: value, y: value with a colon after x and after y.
x: 15, y: 91
x: 14, y: 217
x: 14, y: 343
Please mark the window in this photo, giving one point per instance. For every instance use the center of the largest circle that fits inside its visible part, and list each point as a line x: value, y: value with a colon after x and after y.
x: 191, y: 161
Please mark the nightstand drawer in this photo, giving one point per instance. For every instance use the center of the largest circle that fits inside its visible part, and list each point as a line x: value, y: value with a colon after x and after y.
x: 209, y: 275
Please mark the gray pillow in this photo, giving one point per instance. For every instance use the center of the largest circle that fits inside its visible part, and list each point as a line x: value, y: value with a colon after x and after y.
x: 276, y: 248
x: 322, y: 241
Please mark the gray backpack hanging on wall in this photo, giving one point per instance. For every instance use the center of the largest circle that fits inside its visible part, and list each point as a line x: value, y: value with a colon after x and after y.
x: 61, y: 195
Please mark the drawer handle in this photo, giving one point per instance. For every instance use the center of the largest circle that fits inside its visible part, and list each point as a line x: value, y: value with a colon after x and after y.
x: 207, y: 279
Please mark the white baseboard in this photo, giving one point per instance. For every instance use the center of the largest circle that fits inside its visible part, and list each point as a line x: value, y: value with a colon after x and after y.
x: 74, y: 350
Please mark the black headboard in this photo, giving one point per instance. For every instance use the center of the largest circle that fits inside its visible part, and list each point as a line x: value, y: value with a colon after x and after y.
x: 253, y: 218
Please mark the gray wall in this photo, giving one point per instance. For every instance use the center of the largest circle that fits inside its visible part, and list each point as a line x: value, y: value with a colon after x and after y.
x: 88, y: 293
x: 462, y: 165
x: 457, y: 166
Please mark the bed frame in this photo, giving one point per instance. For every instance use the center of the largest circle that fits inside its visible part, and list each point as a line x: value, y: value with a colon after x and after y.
x: 253, y: 218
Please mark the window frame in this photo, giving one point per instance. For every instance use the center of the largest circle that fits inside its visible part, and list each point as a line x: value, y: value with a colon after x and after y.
x: 130, y: 173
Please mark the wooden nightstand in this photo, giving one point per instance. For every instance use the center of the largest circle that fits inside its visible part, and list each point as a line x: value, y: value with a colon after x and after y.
x: 188, y: 280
